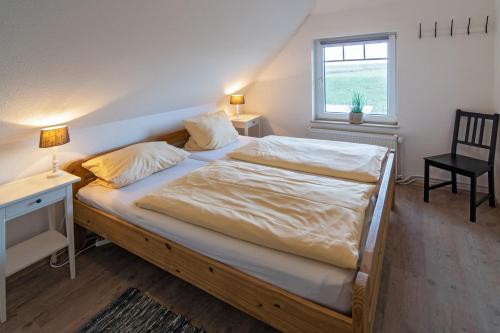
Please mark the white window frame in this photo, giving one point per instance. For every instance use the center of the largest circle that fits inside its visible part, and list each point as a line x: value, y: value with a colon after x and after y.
x: 319, y: 74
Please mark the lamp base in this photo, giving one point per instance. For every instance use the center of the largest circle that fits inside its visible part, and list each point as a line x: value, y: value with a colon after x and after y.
x: 238, y: 112
x: 55, y: 174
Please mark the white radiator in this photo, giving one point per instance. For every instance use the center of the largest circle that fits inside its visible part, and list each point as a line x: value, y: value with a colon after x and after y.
x: 393, y: 142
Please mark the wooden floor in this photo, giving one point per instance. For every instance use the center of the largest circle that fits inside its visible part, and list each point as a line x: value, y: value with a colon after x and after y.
x: 441, y: 274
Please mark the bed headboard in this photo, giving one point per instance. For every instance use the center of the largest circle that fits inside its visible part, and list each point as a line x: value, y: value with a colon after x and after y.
x: 177, y: 138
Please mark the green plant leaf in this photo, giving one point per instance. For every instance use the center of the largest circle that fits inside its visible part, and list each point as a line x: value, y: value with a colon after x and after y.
x: 358, y: 102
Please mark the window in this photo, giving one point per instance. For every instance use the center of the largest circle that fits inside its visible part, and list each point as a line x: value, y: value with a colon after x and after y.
x: 364, y: 64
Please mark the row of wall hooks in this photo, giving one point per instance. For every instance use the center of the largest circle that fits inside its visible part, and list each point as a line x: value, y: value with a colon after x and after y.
x: 452, y: 27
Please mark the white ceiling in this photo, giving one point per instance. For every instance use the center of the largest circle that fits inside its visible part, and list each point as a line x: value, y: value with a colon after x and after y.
x: 89, y: 62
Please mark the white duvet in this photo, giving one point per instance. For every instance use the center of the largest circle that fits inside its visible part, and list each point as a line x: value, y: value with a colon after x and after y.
x: 304, y: 214
x: 353, y: 161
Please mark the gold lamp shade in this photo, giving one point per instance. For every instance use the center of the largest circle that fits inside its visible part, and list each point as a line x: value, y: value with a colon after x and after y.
x: 237, y: 99
x: 54, y: 136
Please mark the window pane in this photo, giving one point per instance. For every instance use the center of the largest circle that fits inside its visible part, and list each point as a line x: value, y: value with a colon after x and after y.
x: 333, y: 53
x: 376, y: 50
x: 368, y: 77
x: 353, y: 52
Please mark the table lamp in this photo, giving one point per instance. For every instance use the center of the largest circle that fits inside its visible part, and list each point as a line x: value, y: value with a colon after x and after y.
x: 52, y: 137
x: 237, y: 100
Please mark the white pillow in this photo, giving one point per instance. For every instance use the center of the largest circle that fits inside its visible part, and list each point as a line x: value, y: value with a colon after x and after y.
x: 210, y: 131
x: 130, y: 164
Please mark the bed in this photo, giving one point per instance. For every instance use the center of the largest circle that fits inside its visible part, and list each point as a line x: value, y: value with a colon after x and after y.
x: 322, y: 283
x: 288, y: 292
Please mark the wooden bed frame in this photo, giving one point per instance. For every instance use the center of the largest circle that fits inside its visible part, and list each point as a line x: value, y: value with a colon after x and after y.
x: 277, y: 307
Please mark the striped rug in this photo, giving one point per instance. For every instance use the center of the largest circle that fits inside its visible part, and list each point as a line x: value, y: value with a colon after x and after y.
x: 135, y: 312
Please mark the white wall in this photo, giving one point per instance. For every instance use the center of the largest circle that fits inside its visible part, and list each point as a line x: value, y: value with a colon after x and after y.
x: 497, y: 88
x: 497, y: 54
x: 435, y: 76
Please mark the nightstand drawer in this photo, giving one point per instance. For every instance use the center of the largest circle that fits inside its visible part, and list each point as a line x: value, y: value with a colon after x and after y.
x: 34, y: 203
x: 245, y: 123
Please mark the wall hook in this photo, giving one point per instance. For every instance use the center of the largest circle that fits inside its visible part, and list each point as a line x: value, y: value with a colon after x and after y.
x: 435, y: 29
x: 486, y: 28
x: 451, y: 29
x: 468, y: 27
x: 420, y: 31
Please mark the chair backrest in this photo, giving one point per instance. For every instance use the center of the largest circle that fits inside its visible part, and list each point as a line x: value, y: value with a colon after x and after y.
x: 474, y: 136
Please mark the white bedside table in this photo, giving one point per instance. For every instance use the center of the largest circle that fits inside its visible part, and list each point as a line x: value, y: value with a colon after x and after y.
x: 24, y: 196
x: 246, y: 121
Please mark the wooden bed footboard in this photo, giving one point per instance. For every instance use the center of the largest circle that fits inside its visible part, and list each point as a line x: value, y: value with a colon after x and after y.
x: 367, y: 284
x: 277, y: 307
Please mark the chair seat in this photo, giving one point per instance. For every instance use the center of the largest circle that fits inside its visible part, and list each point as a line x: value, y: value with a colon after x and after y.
x: 460, y: 163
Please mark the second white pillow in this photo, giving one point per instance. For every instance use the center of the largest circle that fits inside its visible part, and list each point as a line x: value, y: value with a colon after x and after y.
x: 210, y: 131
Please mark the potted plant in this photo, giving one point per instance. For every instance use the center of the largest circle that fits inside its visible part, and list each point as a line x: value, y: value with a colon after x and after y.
x: 356, y: 114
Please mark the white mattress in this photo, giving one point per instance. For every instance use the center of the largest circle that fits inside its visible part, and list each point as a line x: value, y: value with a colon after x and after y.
x: 217, y: 154
x: 322, y: 283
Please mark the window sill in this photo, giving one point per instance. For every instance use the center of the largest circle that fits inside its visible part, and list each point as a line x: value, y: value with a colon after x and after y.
x: 347, y: 126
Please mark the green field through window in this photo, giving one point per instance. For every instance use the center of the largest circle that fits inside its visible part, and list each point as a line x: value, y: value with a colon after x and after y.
x: 368, y: 77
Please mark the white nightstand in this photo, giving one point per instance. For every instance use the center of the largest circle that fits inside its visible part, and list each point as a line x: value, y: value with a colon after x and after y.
x: 21, y: 197
x: 246, y: 121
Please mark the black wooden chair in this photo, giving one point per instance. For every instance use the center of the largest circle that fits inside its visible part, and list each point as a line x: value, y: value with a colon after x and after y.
x: 464, y: 165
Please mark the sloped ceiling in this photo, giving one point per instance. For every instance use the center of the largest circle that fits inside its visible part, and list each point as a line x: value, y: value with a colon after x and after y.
x: 90, y: 62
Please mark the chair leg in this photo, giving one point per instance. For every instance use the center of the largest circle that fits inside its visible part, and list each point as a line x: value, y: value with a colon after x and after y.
x: 491, y: 187
x: 426, y: 182
x: 454, y: 182
x: 473, y: 183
